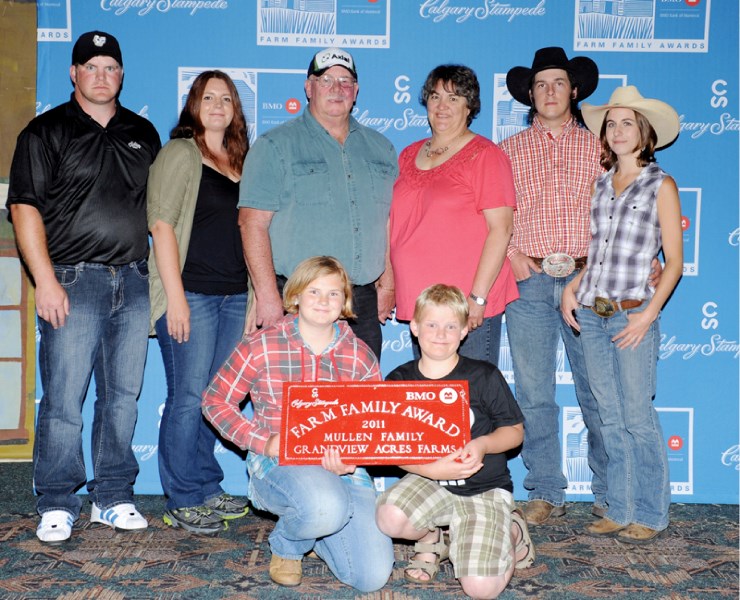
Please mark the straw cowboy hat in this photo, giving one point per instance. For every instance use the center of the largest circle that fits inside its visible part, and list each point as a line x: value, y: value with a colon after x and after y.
x: 584, y: 71
x: 662, y: 117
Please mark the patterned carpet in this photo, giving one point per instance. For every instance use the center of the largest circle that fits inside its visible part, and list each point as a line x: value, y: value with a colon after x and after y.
x: 696, y: 558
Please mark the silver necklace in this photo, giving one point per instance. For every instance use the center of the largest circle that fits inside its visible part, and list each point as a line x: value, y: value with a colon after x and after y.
x: 439, y: 151
x: 436, y: 151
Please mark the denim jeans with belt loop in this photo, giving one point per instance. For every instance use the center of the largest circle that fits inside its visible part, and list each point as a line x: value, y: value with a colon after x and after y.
x: 188, y: 469
x: 534, y: 326
x: 106, y: 333
x: 624, y: 383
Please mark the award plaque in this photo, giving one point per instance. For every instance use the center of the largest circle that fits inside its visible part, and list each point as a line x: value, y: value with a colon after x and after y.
x: 374, y: 422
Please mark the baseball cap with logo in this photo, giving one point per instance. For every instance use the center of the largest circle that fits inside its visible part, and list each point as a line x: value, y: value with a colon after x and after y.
x: 95, y: 43
x: 331, y: 57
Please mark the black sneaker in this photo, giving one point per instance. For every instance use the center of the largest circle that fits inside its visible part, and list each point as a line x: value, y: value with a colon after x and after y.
x: 196, y: 519
x: 227, y: 506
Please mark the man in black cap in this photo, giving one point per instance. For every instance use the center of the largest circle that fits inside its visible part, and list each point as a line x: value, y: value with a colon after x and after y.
x: 554, y: 162
x: 321, y: 184
x: 77, y: 200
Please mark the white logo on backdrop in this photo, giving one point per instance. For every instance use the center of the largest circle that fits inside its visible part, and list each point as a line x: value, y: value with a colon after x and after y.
x: 688, y: 350
x: 691, y: 225
x: 397, y: 339
x: 731, y: 457
x: 41, y: 108
x: 725, y: 122
x: 145, y: 452
x: 409, y: 119
x: 323, y: 23
x: 144, y: 7
x: 630, y: 25
x: 575, y: 451
x: 57, y: 22
x: 734, y: 238
x: 439, y: 10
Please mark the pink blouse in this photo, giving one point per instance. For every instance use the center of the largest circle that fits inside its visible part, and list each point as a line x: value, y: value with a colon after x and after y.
x: 437, y: 226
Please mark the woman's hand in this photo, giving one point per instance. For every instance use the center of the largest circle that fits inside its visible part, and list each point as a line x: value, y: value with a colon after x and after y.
x: 475, y: 315
x: 332, y: 462
x: 178, y: 318
x: 568, y: 305
x: 272, y: 447
x: 638, y: 324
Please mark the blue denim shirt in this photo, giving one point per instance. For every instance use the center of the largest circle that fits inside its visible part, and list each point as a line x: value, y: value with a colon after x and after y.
x: 328, y: 198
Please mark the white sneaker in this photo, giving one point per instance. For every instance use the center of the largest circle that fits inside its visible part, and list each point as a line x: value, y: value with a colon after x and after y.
x: 55, y: 526
x: 122, y: 517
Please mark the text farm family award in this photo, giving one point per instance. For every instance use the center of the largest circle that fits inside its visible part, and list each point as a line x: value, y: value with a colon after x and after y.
x: 374, y: 423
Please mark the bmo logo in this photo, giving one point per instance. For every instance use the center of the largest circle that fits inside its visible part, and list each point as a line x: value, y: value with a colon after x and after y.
x: 692, y: 2
x: 292, y: 105
x: 675, y: 442
x: 421, y: 396
x: 446, y: 395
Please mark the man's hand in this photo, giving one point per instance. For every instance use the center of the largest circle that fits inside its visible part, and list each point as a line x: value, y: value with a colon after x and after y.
x: 52, y: 303
x: 269, y: 311
x: 523, y: 266
x: 386, y: 303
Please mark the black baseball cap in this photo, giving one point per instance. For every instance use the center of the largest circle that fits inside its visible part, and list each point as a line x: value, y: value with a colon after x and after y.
x: 96, y: 43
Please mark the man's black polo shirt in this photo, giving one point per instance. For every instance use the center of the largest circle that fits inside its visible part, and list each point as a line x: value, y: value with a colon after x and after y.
x: 88, y: 182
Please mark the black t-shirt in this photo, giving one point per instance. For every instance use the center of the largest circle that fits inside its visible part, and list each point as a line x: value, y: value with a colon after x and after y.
x: 88, y: 182
x: 492, y: 405
x: 215, y: 261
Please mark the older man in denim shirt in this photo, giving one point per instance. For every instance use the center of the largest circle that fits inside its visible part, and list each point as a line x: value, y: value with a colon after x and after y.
x: 321, y: 184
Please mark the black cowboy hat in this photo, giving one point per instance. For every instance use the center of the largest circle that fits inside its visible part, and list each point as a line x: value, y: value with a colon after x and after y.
x: 584, y: 71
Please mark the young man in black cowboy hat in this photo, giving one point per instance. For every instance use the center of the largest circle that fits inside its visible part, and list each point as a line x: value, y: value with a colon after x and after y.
x: 554, y: 161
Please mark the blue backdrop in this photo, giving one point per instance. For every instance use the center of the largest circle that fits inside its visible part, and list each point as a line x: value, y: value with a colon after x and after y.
x: 681, y: 51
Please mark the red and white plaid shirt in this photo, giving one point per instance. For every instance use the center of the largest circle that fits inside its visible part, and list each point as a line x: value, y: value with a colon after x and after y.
x: 553, y: 177
x: 259, y: 365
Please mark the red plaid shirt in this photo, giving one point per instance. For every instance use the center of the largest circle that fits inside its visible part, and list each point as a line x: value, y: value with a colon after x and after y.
x: 553, y: 177
x: 259, y: 365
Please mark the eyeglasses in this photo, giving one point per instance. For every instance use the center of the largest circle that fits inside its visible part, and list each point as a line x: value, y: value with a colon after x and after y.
x: 327, y: 81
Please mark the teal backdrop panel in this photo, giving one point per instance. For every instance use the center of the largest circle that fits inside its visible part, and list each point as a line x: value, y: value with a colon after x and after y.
x: 682, y: 51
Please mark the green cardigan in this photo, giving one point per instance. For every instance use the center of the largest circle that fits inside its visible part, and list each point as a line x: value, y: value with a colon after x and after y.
x: 172, y: 193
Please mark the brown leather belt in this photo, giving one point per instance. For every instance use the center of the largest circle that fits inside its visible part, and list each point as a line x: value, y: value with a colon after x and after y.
x: 580, y: 262
x: 607, y: 308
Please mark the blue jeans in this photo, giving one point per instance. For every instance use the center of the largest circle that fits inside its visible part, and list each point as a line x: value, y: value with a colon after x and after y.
x: 624, y: 383
x: 482, y: 344
x: 534, y: 326
x: 319, y: 510
x: 106, y: 333
x: 188, y: 469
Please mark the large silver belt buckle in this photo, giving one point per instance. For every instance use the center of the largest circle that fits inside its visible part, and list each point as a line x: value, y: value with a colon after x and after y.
x: 603, y: 307
x: 559, y: 264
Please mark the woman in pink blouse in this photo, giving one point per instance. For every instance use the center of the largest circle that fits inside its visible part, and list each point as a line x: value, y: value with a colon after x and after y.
x: 451, y: 215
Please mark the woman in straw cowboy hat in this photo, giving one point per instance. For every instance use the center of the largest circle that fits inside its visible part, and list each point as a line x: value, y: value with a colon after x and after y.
x: 635, y: 212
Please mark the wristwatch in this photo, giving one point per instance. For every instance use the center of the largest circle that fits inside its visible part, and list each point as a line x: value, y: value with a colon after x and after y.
x: 478, y: 300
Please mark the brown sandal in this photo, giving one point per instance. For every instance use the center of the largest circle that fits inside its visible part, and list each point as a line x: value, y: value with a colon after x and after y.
x: 442, y: 550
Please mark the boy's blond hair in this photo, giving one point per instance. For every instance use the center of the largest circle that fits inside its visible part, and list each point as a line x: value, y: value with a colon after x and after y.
x: 309, y: 270
x: 440, y: 294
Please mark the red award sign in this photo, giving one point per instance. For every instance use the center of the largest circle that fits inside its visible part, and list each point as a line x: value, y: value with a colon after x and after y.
x: 374, y: 423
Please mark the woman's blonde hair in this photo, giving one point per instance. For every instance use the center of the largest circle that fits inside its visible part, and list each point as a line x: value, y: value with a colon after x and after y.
x: 310, y: 270
x: 443, y: 295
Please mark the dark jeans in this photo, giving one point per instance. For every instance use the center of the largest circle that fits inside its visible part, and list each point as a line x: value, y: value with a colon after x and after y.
x: 365, y: 305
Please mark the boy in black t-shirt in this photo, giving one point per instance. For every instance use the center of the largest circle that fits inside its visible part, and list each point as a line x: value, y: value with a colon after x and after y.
x: 469, y: 490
